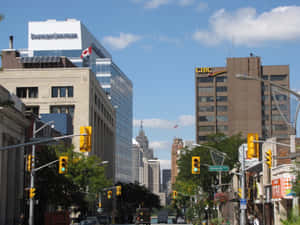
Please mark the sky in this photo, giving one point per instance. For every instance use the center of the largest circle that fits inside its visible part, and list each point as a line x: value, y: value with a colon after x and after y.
x: 158, y: 44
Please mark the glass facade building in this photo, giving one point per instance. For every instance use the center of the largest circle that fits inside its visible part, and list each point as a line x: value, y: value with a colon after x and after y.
x: 116, y: 84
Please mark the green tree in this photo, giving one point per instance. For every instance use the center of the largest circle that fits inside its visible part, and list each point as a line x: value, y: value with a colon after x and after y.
x: 296, y: 185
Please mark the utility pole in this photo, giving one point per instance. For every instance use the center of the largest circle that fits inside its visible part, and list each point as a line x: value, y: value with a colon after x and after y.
x: 243, y: 204
x: 31, y: 200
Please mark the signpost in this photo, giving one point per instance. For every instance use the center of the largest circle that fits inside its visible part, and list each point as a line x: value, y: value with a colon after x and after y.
x: 218, y: 168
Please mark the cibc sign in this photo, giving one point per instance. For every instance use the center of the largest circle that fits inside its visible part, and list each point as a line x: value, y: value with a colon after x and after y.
x: 203, y: 70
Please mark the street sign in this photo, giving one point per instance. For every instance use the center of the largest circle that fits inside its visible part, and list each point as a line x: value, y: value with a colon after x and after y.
x: 243, y: 203
x: 218, y: 168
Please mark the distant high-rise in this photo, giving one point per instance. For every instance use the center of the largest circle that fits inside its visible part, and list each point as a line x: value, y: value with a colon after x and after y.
x: 166, y: 177
x: 230, y: 105
x: 176, y: 146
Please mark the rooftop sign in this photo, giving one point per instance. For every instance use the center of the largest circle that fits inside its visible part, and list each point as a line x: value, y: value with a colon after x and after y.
x: 54, y: 36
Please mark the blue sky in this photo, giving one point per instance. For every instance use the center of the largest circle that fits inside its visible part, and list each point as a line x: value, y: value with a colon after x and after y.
x: 158, y: 43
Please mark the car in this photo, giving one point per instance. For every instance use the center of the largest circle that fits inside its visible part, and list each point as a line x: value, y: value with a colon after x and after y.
x: 180, y: 220
x: 104, y: 219
x: 143, y: 216
x: 90, y: 221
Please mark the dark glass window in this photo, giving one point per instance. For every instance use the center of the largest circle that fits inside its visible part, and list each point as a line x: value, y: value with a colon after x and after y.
x: 27, y: 92
x: 222, y: 118
x: 221, y: 98
x: 265, y: 77
x: 278, y: 77
x: 205, y: 79
x: 33, y: 109
x: 221, y: 79
x: 206, y: 98
x: 280, y: 97
x: 206, y: 118
x: 21, y: 92
x: 222, y: 108
x: 221, y: 89
x: 64, y: 91
x: 206, y: 108
x: 202, y: 138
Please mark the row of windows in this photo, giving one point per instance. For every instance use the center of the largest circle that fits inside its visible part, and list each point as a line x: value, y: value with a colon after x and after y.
x: 32, y: 92
x: 220, y: 118
x: 275, y: 77
x: 220, y: 128
x: 282, y: 107
x: 210, y: 89
x: 67, y: 109
x: 101, y: 108
x: 211, y: 98
x: 210, y: 108
x: 211, y: 79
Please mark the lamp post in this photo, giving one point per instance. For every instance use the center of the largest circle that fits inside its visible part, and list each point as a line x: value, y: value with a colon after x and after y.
x: 32, y: 173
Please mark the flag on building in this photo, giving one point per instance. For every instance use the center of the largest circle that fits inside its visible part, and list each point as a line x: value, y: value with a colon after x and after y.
x: 86, y: 52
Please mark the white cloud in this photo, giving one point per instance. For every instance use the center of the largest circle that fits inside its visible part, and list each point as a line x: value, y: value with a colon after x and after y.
x: 160, y: 145
x: 165, y: 164
x: 186, y: 120
x: 246, y: 27
x: 186, y: 2
x: 201, y: 6
x: 153, y: 4
x: 183, y: 121
x: 121, y: 42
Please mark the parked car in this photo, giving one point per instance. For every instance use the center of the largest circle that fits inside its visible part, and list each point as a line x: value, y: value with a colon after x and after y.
x: 90, y: 221
x: 180, y: 220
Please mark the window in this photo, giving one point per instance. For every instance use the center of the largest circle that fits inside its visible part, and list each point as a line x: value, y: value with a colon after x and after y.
x: 206, y: 108
x: 221, y: 89
x: 283, y: 107
x: 27, y: 92
x: 205, y: 89
x: 221, y: 98
x: 207, y: 128
x: 279, y: 127
x: 277, y: 117
x: 206, y: 98
x: 265, y: 77
x: 206, y: 118
x: 280, y: 97
x: 221, y: 79
x: 33, y: 109
x: 222, y: 118
x: 202, y: 138
x: 68, y: 109
x: 222, y: 128
x: 278, y: 77
x: 222, y: 108
x: 205, y: 79
x: 64, y: 91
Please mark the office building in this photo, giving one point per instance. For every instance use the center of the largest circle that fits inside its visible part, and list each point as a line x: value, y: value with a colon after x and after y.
x: 176, y: 147
x: 166, y: 177
x: 230, y: 105
x: 69, y: 38
x: 12, y: 131
x: 54, y: 85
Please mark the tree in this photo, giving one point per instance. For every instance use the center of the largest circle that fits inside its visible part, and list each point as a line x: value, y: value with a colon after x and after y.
x: 65, y: 190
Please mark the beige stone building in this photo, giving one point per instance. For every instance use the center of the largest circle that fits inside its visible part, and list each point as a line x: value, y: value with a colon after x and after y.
x: 12, y: 131
x: 55, y: 85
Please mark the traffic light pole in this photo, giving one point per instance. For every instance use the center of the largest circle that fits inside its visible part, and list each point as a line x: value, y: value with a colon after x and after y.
x: 243, y: 210
x: 31, y: 201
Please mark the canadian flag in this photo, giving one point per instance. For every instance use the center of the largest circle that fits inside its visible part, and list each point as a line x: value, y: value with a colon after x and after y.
x: 86, y: 52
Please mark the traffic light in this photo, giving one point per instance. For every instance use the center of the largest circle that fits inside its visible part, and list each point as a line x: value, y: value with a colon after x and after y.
x: 31, y: 193
x: 174, y: 196
x: 269, y: 158
x: 29, y: 162
x: 99, y: 204
x: 86, y: 140
x: 63, y: 164
x: 119, y: 190
x: 253, y: 149
x: 196, y: 165
x: 109, y: 194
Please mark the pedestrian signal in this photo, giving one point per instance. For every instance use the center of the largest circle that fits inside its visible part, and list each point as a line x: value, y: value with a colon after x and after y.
x: 119, y: 190
x: 196, y: 165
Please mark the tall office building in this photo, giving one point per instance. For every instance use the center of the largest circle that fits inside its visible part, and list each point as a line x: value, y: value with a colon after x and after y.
x: 230, y: 105
x: 166, y: 177
x: 69, y: 38
x: 176, y: 146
